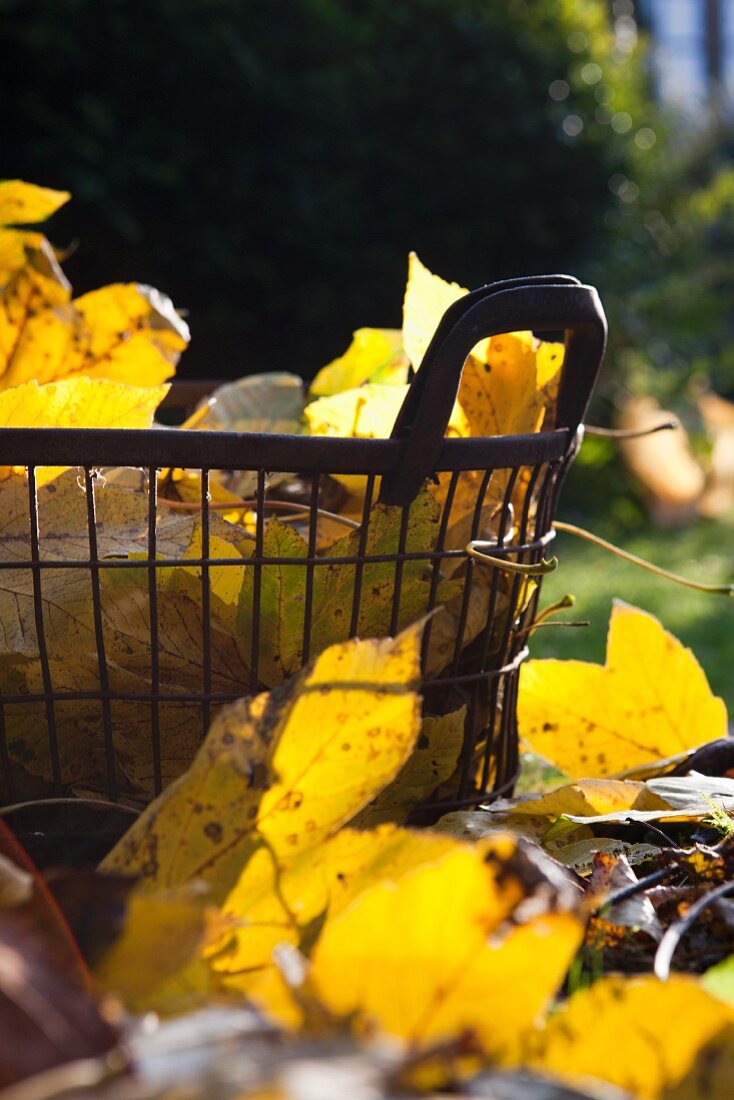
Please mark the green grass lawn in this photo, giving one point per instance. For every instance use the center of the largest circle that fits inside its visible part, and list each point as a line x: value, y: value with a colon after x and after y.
x: 703, y: 551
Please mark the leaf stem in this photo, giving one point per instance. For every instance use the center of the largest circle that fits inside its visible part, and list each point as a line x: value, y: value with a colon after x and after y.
x: 631, y: 433
x: 530, y: 569
x: 625, y: 555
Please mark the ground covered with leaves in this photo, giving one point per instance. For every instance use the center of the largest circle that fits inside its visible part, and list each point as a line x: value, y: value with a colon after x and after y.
x: 273, y: 924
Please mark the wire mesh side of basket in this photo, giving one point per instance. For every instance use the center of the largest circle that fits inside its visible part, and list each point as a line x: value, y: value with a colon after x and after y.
x: 73, y: 702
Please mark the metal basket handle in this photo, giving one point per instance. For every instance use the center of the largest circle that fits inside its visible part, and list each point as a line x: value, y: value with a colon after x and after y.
x: 543, y: 304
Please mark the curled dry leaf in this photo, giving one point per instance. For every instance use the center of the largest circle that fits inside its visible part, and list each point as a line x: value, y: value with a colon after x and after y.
x: 589, y: 798
x: 609, y: 875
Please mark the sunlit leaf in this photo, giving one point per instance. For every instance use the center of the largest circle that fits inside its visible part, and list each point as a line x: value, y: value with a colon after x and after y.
x: 157, y: 962
x: 71, y: 644
x: 427, y: 297
x: 588, y: 798
x: 287, y: 901
x: 32, y: 284
x: 26, y: 203
x: 651, y: 699
x: 374, y: 355
x: 126, y: 332
x: 656, y: 1039
x: 432, y: 762
x: 77, y: 403
x: 280, y: 771
x: 367, y: 412
x: 424, y: 959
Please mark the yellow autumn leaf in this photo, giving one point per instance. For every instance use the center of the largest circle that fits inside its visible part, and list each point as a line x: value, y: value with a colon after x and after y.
x: 157, y: 962
x: 80, y: 403
x: 367, y: 412
x: 282, y: 588
x: 589, y: 798
x: 430, y: 957
x: 26, y: 203
x: 657, y: 1040
x: 225, y: 580
x: 549, y: 365
x: 509, y: 386
x: 374, y: 355
x: 282, y: 771
x: 427, y: 297
x: 650, y: 700
x: 31, y: 283
x: 73, y: 666
x: 432, y: 763
x: 77, y: 403
x: 501, y: 395
x: 280, y: 902
x: 68, y: 617
x: 126, y: 332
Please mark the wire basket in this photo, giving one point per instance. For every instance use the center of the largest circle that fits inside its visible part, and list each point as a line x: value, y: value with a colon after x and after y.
x: 65, y: 725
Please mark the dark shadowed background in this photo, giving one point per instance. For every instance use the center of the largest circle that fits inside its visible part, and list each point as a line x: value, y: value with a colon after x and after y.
x: 270, y: 166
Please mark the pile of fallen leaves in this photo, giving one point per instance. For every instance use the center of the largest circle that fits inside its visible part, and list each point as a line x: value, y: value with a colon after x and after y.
x: 276, y: 923
x: 268, y: 927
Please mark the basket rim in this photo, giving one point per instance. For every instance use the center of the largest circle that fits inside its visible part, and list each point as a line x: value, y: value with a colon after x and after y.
x: 161, y: 447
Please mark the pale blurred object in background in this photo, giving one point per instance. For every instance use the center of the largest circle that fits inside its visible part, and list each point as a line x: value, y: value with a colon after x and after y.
x: 718, y: 419
x: 662, y: 462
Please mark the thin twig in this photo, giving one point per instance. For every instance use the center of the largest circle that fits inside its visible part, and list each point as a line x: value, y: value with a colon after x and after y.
x: 300, y: 511
x: 553, y: 622
x: 656, y: 829
x: 669, y: 943
x: 631, y: 433
x: 596, y: 540
x: 638, y: 887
